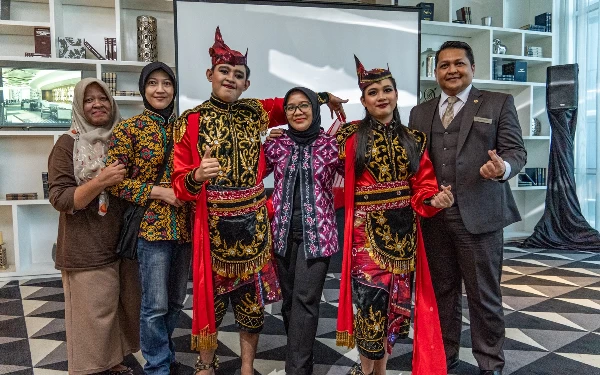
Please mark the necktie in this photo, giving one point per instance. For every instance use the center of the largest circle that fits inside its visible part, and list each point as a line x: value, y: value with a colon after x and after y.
x: 449, y: 113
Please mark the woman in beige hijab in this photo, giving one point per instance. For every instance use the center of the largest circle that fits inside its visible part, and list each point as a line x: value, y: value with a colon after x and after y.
x: 102, y: 296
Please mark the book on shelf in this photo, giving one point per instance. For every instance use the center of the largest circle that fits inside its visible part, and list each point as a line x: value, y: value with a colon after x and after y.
x: 93, y: 50
x: 505, y: 77
x: 45, y: 185
x: 426, y: 12
x: 544, y: 20
x: 523, y: 179
x: 533, y: 27
x: 110, y: 78
x: 4, y: 9
x: 41, y: 36
x: 537, y: 175
x: 110, y: 48
x: 32, y: 54
x: 21, y: 196
x: 464, y: 14
x: 532, y: 51
x: 518, y: 69
x: 127, y: 93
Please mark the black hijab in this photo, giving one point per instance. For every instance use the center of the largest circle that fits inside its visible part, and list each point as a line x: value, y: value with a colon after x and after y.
x: 149, y: 69
x: 309, y: 135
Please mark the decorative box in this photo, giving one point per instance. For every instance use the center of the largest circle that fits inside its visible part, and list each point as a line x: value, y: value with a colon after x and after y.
x: 71, y: 48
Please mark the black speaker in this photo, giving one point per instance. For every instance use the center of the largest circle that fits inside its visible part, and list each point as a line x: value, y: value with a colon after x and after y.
x: 562, y: 86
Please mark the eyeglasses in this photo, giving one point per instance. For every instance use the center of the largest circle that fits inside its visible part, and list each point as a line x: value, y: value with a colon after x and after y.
x: 291, y: 109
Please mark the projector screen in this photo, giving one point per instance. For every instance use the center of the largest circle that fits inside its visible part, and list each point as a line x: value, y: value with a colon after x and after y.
x: 299, y: 44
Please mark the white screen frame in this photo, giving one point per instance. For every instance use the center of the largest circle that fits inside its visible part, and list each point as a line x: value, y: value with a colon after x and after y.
x: 274, y: 70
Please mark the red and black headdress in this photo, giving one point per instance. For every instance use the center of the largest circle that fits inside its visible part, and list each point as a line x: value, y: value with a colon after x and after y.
x: 220, y: 53
x: 367, y: 77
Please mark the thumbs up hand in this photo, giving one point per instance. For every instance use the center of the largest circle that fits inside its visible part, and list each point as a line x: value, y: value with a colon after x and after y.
x: 209, y: 167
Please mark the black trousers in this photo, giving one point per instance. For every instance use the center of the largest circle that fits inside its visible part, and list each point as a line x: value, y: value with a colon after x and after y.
x: 455, y: 255
x: 302, y: 286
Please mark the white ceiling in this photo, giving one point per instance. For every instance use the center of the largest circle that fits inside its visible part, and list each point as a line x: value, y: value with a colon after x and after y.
x: 39, y: 79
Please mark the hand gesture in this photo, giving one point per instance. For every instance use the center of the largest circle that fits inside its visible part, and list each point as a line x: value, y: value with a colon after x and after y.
x: 112, y: 174
x: 274, y: 134
x: 494, y: 168
x: 209, y: 167
x: 444, y: 198
x: 335, y: 105
x: 168, y: 195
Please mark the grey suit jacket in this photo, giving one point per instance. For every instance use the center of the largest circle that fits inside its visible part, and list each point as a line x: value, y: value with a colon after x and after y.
x: 485, y: 205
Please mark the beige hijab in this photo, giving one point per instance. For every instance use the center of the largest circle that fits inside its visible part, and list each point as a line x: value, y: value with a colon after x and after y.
x: 91, y: 142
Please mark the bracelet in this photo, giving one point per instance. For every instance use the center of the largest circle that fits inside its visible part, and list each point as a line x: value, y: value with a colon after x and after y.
x: 192, y: 186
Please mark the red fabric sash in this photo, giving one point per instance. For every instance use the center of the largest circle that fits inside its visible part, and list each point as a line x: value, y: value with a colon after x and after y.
x: 345, y: 322
x: 204, y: 332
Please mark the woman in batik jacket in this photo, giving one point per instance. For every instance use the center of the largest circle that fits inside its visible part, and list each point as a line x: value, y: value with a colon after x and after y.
x: 304, y: 161
x: 389, y: 182
x: 141, y: 144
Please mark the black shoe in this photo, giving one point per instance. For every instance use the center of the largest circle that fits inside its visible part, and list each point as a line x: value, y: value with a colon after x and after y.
x: 490, y: 372
x: 452, y: 362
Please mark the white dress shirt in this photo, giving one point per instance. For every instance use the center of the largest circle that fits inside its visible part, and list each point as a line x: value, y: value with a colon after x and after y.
x: 463, y: 96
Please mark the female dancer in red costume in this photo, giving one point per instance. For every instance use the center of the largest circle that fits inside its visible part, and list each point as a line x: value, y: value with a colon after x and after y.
x: 389, y: 183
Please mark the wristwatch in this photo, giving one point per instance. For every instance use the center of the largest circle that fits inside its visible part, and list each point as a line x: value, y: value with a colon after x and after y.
x: 427, y: 201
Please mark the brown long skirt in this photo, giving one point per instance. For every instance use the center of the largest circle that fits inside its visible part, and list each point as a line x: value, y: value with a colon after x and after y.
x: 102, y: 316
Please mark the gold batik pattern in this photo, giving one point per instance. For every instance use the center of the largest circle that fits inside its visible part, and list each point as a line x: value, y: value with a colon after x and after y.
x: 390, y: 234
x: 370, y: 329
x: 140, y: 143
x: 241, y: 255
x: 220, y: 310
x: 233, y: 133
x: 392, y: 247
x: 342, y: 135
x: 249, y: 313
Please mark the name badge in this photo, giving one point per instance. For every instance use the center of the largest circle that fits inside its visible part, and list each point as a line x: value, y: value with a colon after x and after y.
x: 482, y: 119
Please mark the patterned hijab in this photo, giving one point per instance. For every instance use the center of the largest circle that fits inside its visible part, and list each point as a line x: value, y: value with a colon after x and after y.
x: 91, y: 142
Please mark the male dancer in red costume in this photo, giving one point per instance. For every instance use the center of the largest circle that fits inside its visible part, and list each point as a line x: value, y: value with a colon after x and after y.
x: 219, y: 164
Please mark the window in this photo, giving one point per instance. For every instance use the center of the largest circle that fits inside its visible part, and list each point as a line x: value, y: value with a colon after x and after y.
x: 587, y: 152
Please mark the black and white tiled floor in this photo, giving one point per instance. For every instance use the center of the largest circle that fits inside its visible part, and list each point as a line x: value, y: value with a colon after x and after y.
x: 551, y: 301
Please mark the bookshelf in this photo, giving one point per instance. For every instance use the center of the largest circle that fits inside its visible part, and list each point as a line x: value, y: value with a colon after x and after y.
x: 30, y: 227
x: 530, y: 96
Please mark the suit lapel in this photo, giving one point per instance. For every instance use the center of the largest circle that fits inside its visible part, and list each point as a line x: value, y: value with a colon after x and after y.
x: 432, y: 107
x: 470, y: 110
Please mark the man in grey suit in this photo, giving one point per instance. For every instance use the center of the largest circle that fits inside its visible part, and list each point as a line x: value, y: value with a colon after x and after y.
x: 475, y: 144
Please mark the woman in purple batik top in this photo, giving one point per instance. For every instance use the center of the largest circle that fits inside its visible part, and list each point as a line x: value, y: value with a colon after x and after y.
x: 304, y: 161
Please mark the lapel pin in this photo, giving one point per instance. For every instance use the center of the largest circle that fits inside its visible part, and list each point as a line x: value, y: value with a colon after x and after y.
x: 475, y: 101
